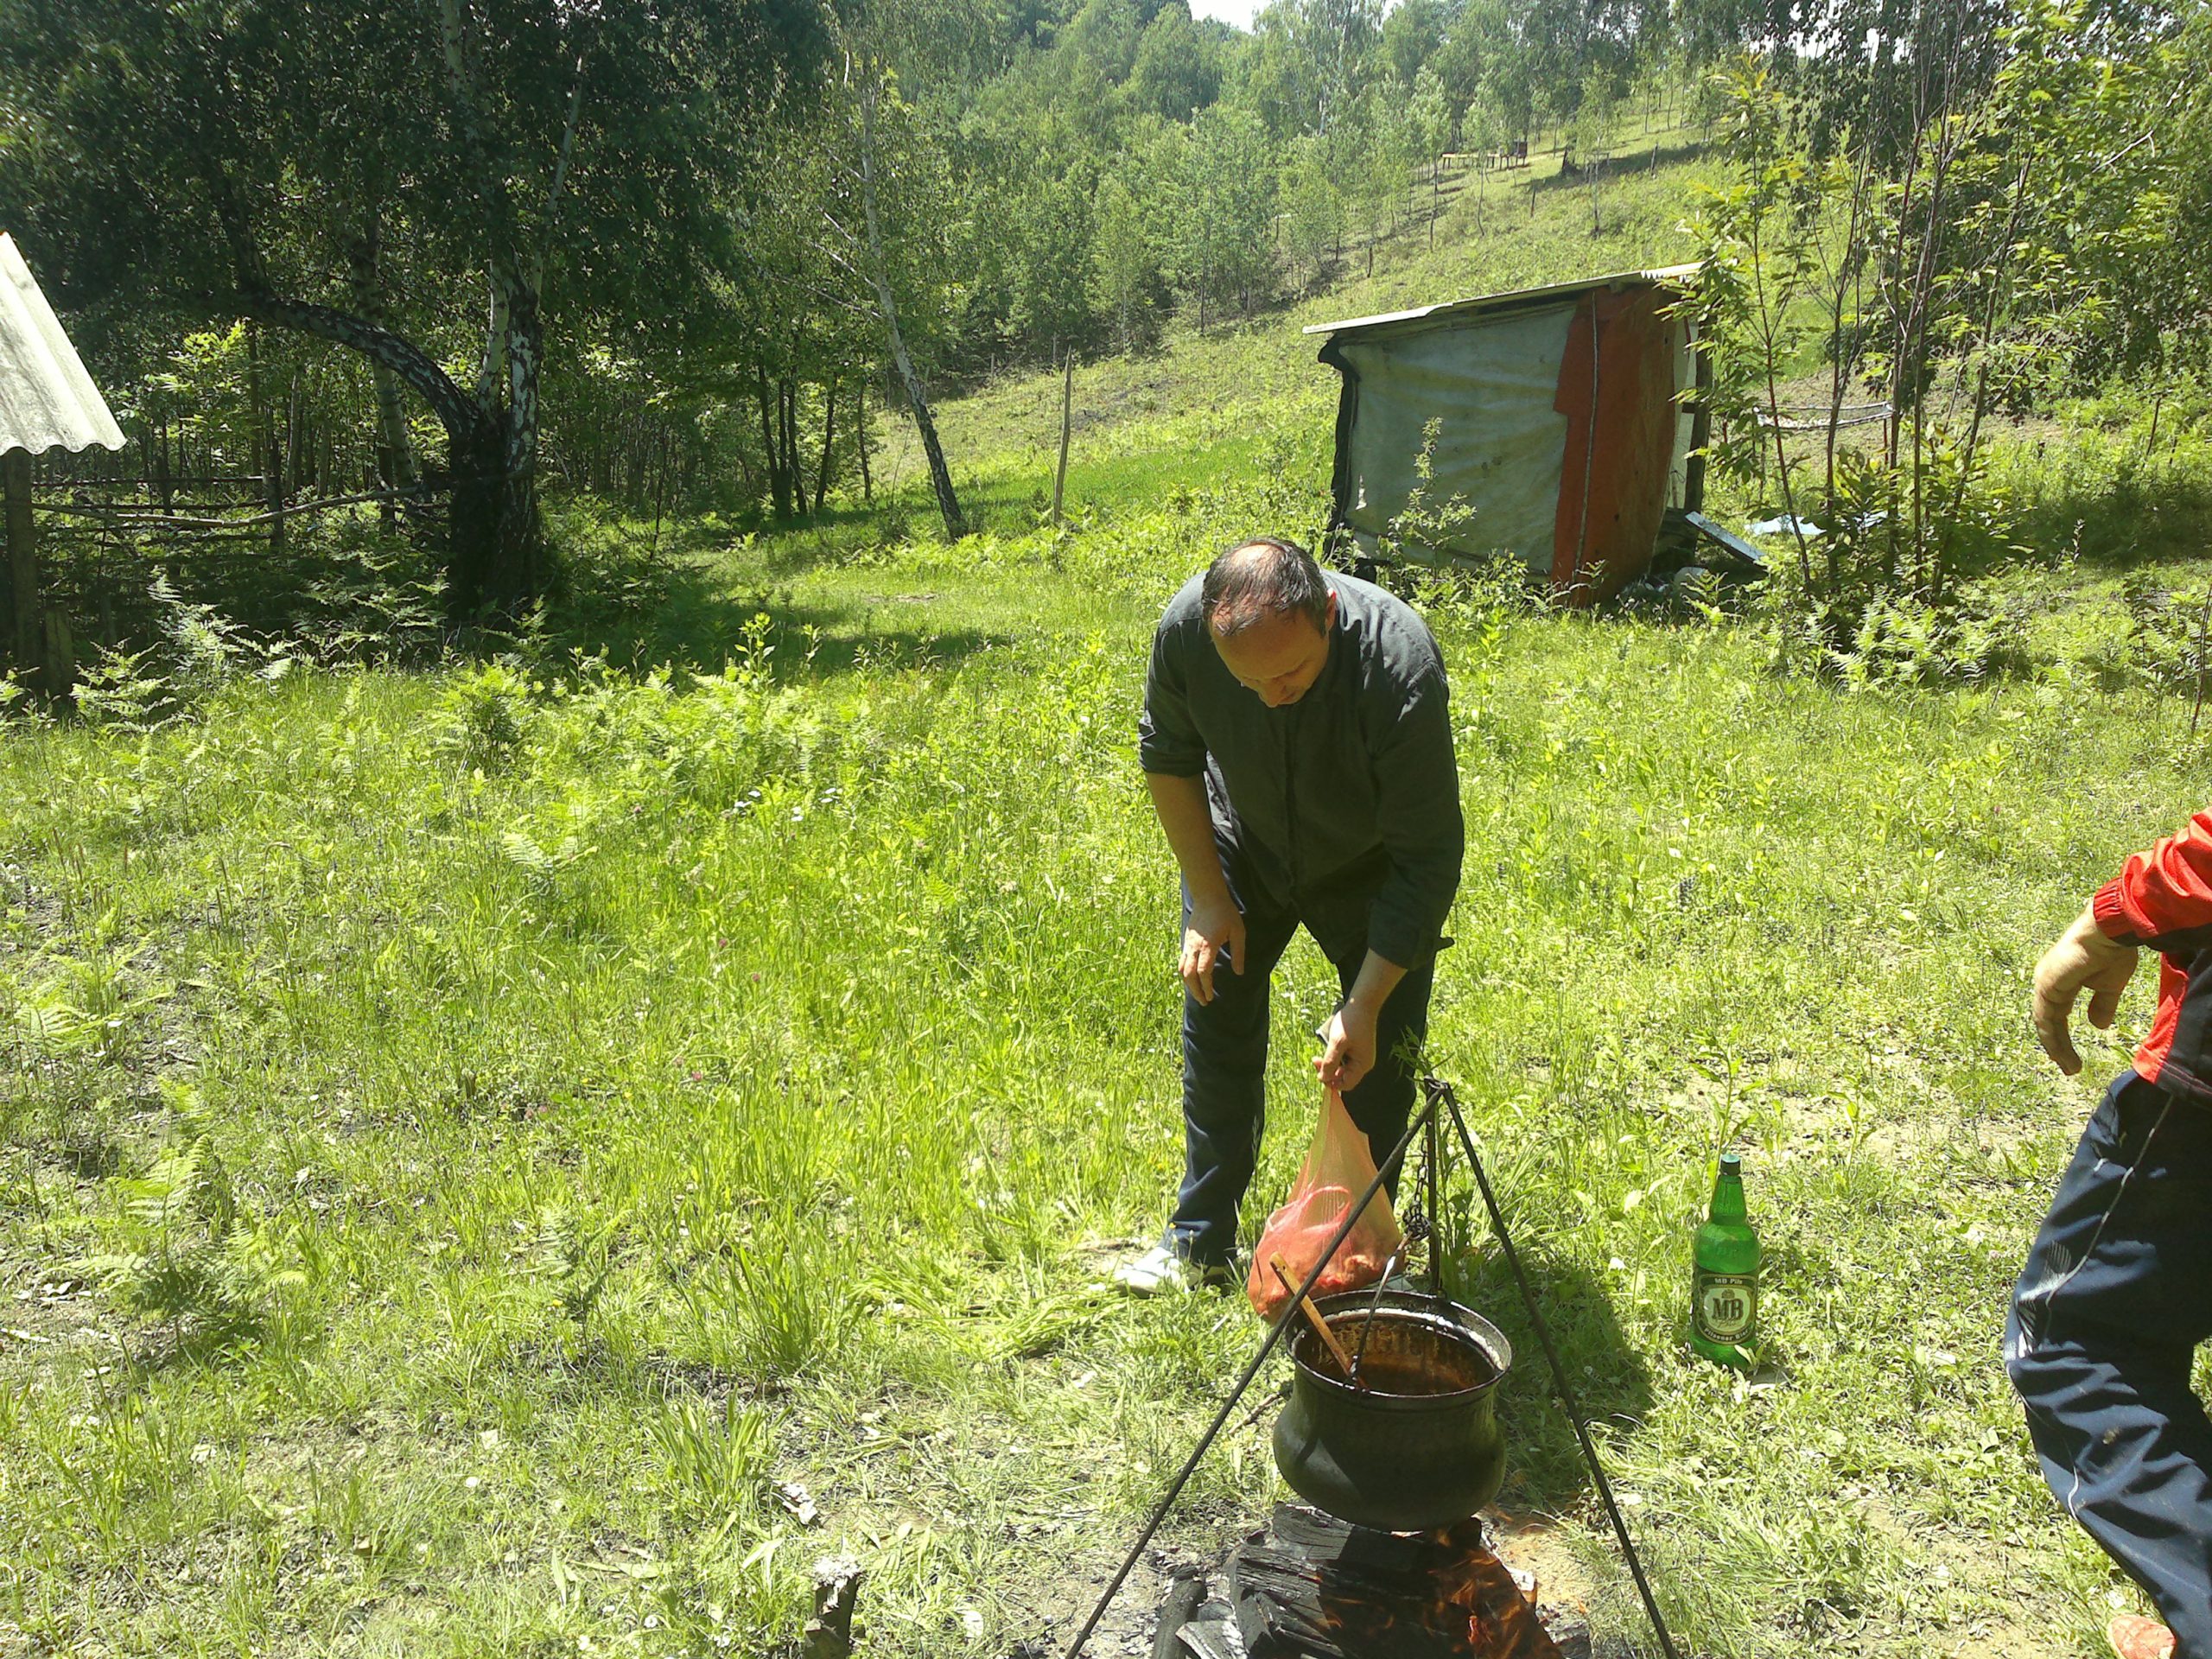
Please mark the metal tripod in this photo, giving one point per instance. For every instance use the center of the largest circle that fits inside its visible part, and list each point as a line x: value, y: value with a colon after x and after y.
x: 1439, y: 1101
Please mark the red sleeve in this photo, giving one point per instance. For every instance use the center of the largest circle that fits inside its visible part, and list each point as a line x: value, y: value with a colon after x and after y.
x: 2165, y: 890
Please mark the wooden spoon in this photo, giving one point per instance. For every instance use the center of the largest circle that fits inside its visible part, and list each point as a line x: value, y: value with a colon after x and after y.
x: 1321, y: 1325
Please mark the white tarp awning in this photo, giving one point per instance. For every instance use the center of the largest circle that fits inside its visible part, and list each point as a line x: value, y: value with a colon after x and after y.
x: 46, y: 400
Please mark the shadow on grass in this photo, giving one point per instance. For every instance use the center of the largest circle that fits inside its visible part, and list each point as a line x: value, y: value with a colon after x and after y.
x: 1624, y: 164
x: 1544, y: 1466
x: 692, y: 614
x: 2114, y: 525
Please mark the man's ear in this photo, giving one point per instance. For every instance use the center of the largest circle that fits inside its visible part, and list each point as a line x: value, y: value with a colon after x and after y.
x: 1333, y: 612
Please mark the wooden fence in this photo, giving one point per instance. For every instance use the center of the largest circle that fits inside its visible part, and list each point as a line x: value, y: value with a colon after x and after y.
x: 106, y: 532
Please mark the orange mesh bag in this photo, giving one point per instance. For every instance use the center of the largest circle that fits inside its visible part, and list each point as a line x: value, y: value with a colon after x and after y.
x: 1337, y: 1170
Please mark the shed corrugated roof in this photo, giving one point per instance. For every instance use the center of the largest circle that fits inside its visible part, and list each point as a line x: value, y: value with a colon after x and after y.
x: 1667, y: 275
x: 46, y: 400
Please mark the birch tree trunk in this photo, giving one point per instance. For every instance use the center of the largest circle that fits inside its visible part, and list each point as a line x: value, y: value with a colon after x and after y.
x: 518, y: 564
x: 940, y: 476
x: 828, y: 441
x: 860, y: 432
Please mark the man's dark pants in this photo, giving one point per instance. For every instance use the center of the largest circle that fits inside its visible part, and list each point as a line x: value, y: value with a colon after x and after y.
x: 2106, y: 1318
x: 1225, y: 1066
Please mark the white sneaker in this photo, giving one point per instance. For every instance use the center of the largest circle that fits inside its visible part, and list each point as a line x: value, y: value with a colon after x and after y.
x: 1161, y: 1270
x: 1158, y: 1269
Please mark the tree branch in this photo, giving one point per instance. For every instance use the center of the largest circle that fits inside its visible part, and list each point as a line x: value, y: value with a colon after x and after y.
x: 568, y: 138
x: 414, y: 366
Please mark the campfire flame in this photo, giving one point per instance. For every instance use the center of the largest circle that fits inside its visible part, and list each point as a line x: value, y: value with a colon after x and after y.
x: 1313, y: 1587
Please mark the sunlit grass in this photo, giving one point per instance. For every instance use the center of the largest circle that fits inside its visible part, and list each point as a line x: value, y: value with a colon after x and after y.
x: 793, y: 1039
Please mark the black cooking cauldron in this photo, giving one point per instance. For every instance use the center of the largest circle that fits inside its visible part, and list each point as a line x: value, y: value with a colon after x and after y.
x: 1419, y: 1448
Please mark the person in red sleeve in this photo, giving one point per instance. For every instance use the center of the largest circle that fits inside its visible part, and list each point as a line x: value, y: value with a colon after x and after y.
x: 2117, y: 1292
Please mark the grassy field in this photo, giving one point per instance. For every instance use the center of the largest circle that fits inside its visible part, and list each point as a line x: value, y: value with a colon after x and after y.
x: 475, y: 1142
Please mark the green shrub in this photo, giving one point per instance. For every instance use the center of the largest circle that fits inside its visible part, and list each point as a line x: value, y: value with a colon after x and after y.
x: 2166, y: 635
x: 182, y: 1249
x: 371, y: 597
x: 1889, y: 640
x: 484, y: 718
x: 124, y: 688
x: 668, y: 739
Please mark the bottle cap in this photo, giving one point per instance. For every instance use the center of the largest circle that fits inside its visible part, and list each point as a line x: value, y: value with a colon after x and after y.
x: 1731, y: 1163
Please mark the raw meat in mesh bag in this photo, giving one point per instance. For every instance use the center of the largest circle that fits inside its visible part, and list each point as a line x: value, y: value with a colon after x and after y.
x: 1338, y: 1168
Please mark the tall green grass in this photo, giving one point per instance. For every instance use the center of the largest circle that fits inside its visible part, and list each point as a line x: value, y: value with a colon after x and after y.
x: 641, y: 1087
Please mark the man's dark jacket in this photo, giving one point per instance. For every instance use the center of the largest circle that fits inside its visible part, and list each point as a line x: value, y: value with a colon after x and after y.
x: 1343, y: 807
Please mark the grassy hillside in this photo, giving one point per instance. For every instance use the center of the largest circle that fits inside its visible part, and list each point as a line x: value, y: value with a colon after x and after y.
x: 475, y: 1142
x: 1195, y: 408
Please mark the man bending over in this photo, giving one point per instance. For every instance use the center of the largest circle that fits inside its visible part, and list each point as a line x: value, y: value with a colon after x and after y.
x: 1297, y: 742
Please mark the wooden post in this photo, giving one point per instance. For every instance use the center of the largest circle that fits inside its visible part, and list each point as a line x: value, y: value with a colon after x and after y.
x: 829, y: 1634
x: 27, y: 634
x: 1067, y: 412
x: 860, y: 413
x: 1700, y: 425
x: 60, y: 656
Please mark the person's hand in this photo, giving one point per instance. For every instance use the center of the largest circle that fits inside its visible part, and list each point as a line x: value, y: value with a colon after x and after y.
x: 1347, y: 1048
x: 1216, y: 925
x: 2083, y: 957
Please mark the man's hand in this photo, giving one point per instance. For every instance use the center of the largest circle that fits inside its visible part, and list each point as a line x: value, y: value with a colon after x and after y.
x: 2083, y: 956
x: 1216, y: 925
x: 1348, y: 1046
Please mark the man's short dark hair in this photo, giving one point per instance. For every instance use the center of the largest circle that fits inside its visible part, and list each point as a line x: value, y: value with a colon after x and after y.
x: 1259, y: 577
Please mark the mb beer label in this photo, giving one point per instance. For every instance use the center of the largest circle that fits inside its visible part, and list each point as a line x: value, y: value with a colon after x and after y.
x: 1727, y: 1306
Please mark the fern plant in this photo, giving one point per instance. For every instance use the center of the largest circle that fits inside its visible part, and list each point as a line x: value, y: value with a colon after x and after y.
x: 185, y: 1254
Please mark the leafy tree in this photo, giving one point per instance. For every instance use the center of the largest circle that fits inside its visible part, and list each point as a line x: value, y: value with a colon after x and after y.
x: 1224, y: 250
x: 1482, y: 129
x: 877, y: 130
x: 1338, y: 39
x: 1413, y: 33
x: 1474, y: 31
x: 211, y: 162
x: 1428, y: 134
x: 1713, y: 31
x: 1053, y: 233
x: 1178, y: 70
x: 1124, y: 264
x: 1383, y: 168
x: 2001, y: 250
x: 1276, y: 78
x: 1871, y: 71
x: 1098, y: 49
x: 1484, y: 47
x: 1314, y: 210
x: 1593, y: 129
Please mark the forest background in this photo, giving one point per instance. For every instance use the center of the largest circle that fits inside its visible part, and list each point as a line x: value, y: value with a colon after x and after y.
x: 691, y: 260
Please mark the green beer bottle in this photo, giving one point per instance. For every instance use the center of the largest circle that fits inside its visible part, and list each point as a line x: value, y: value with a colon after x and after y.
x: 1725, y: 1274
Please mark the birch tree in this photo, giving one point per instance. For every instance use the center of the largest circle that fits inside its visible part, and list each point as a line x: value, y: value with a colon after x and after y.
x: 212, y: 162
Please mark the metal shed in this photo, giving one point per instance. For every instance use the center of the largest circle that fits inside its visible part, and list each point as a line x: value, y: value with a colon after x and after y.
x: 46, y: 402
x: 1558, y: 423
